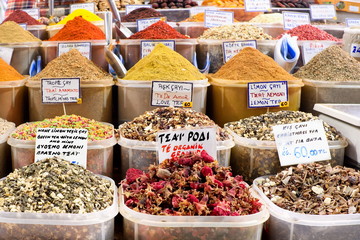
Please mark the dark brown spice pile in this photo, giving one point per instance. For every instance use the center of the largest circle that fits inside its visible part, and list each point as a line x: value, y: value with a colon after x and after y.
x: 140, y: 13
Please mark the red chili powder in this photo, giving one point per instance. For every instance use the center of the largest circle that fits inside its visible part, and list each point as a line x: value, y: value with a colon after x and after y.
x: 158, y: 30
x: 309, y: 32
x: 19, y: 16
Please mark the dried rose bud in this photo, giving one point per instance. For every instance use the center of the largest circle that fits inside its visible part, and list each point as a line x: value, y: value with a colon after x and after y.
x: 206, y: 171
x: 206, y: 157
x: 132, y: 174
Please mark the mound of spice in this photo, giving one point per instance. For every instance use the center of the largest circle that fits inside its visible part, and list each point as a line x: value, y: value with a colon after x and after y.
x: 331, y: 64
x: 85, y: 14
x: 236, y: 32
x: 96, y: 130
x: 78, y: 29
x: 72, y: 64
x: 20, y: 16
x: 190, y: 185
x: 164, y: 63
x: 8, y: 73
x: 260, y: 127
x: 146, y: 126
x: 314, y: 189
x: 309, y: 32
x: 252, y: 65
x: 5, y: 126
x: 11, y: 32
x: 268, y: 18
x: 140, y: 13
x: 158, y: 30
x: 54, y: 185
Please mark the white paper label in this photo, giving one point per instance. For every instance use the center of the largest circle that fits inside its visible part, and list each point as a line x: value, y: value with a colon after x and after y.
x: 294, y: 19
x: 354, y: 9
x: 232, y: 48
x: 164, y: 94
x: 301, y: 142
x: 33, y: 12
x: 23, y: 25
x: 196, y: 10
x: 257, y: 6
x: 130, y: 8
x: 68, y: 144
x: 322, y: 11
x: 60, y: 90
x: 218, y: 18
x: 310, y: 49
x: 355, y: 50
x: 6, y: 54
x: 147, y: 46
x: 87, y: 6
x: 146, y: 22
x: 268, y: 94
x: 352, y: 22
x: 173, y: 143
x: 83, y: 47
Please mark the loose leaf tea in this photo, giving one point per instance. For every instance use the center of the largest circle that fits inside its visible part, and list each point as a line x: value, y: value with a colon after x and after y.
x: 236, y: 32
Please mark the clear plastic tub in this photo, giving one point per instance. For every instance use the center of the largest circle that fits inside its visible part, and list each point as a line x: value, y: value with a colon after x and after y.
x: 38, y: 31
x: 142, y: 226
x: 54, y: 29
x: 228, y: 100
x: 254, y: 158
x: 94, y: 226
x: 49, y: 51
x: 285, y: 225
x: 99, y: 154
x: 328, y: 92
x: 5, y: 163
x: 96, y: 102
x: 130, y: 49
x: 134, y: 98
x: 12, y: 100
x: 140, y: 154
x: 23, y: 55
x: 337, y: 30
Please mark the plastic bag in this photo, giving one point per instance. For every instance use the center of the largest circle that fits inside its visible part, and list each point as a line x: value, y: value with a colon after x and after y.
x: 287, y: 52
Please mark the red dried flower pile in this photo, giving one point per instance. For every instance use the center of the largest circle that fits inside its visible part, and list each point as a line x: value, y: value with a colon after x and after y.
x: 309, y: 32
x: 189, y: 185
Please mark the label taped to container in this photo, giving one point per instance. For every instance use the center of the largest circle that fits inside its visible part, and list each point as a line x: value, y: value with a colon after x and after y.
x: 87, y: 6
x: 23, y: 25
x: 60, y: 90
x: 355, y: 50
x: 310, y: 49
x: 196, y: 10
x: 267, y: 94
x: 66, y: 143
x: 172, y: 143
x: 294, y: 19
x: 130, y: 8
x: 352, y: 22
x: 257, y: 5
x: 232, y: 48
x: 146, y: 22
x: 6, y: 54
x: 83, y: 47
x: 33, y: 12
x: 303, y: 142
x: 165, y: 93
x: 146, y: 46
x: 322, y: 11
x: 218, y: 18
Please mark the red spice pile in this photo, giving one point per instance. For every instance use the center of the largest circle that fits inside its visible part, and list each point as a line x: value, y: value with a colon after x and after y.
x: 19, y: 16
x: 309, y: 32
x: 78, y: 29
x: 158, y: 30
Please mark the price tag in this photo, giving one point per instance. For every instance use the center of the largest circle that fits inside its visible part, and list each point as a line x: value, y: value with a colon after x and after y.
x: 294, y: 19
x: 147, y: 46
x: 83, y: 47
x: 174, y: 143
x: 146, y: 22
x: 196, y: 10
x: 322, y: 11
x: 187, y: 104
x: 130, y: 8
x: 33, y: 12
x: 23, y: 25
x: 218, y: 18
x: 165, y: 94
x: 301, y: 142
x: 257, y: 5
x: 232, y: 48
x: 60, y: 90
x: 352, y: 22
x: 267, y: 94
x: 68, y: 144
x: 310, y: 49
x: 87, y: 6
x: 6, y: 54
x: 355, y: 50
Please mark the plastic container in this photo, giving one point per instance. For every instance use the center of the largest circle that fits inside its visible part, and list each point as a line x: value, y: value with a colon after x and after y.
x: 49, y: 51
x: 23, y: 55
x: 254, y: 158
x: 228, y: 100
x: 38, y: 31
x: 54, y: 29
x: 337, y: 30
x: 12, y: 101
x: 141, y: 226
x: 134, y: 98
x: 351, y: 36
x: 5, y: 163
x: 328, y: 92
x: 95, y: 226
x: 286, y: 225
x: 96, y: 102
x: 140, y: 154
x: 130, y: 49
x: 99, y: 154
